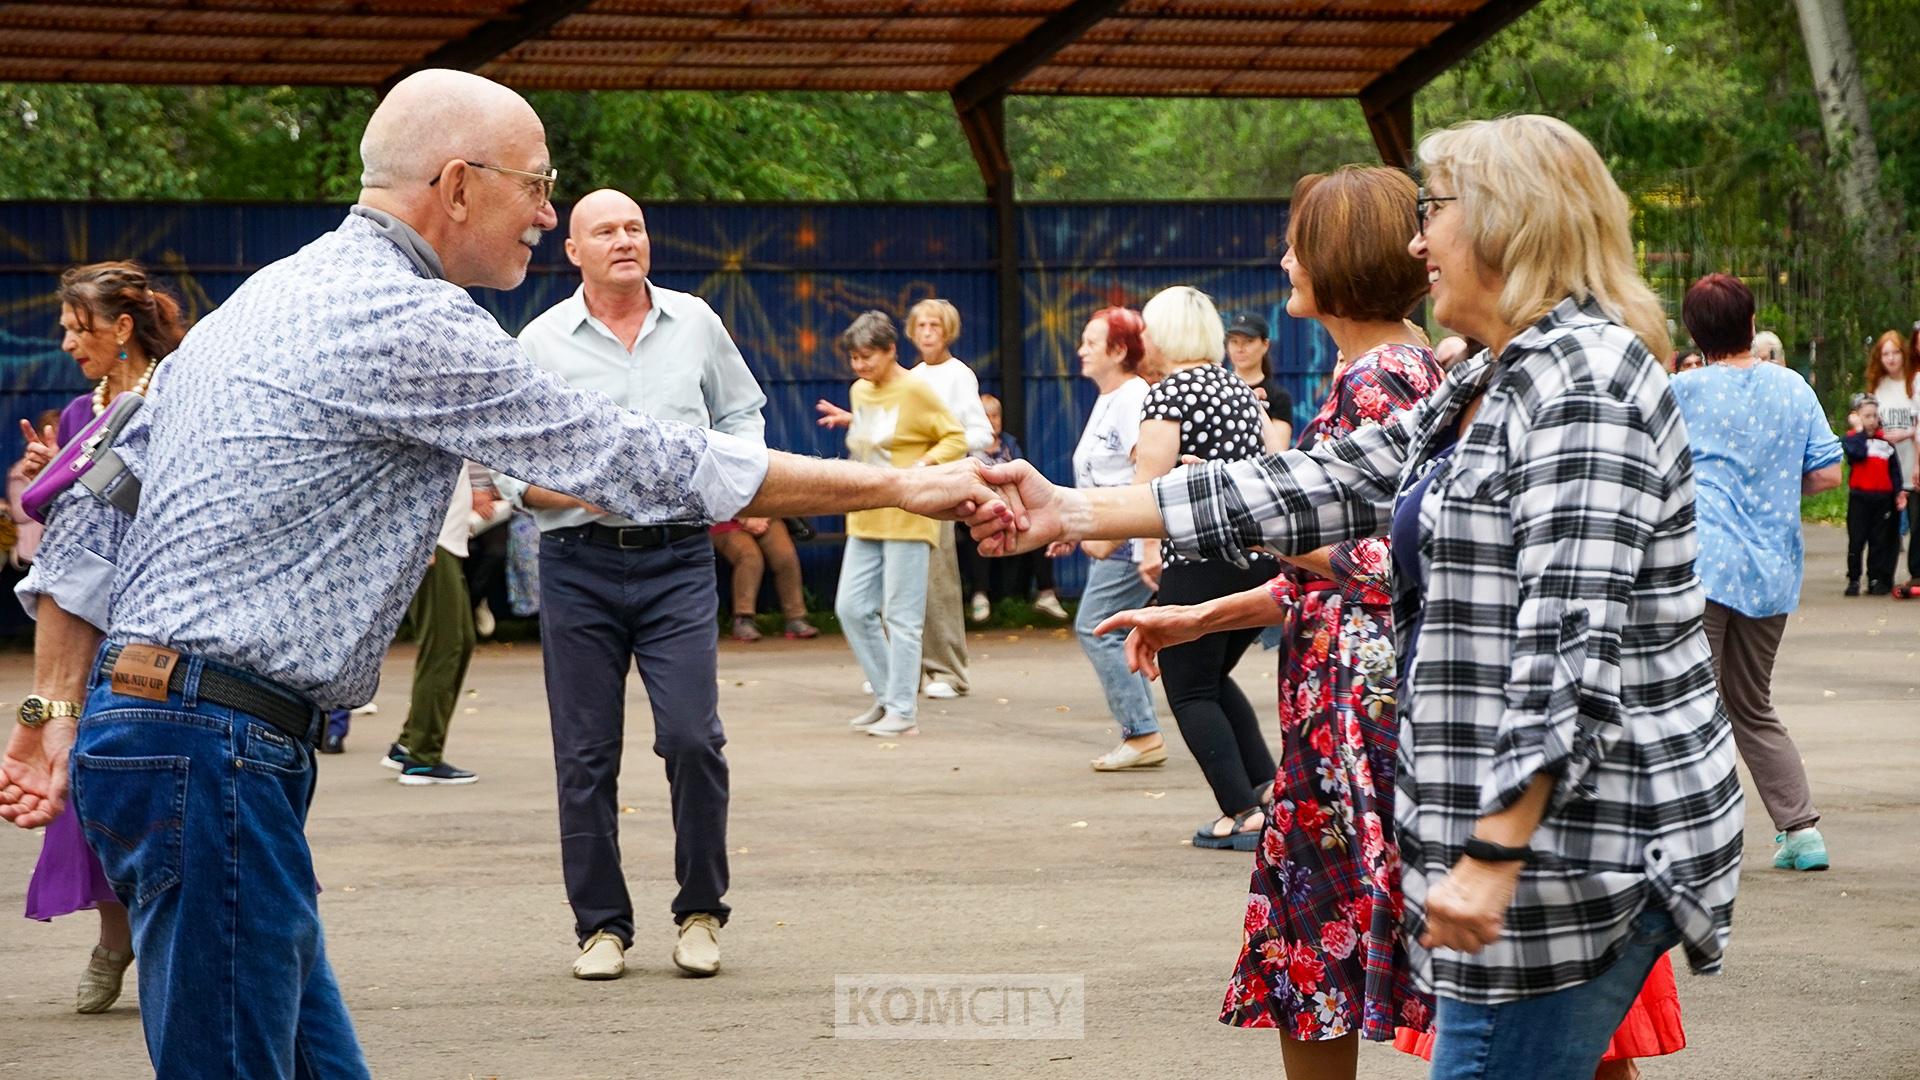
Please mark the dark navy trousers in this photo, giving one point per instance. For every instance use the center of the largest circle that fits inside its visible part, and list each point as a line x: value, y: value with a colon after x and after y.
x: 603, y: 610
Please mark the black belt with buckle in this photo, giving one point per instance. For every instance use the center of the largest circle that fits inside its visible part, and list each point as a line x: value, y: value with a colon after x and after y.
x: 285, y: 710
x: 632, y: 537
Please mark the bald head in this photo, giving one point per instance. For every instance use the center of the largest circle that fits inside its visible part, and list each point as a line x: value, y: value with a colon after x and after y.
x: 607, y: 239
x: 433, y: 116
x: 597, y: 206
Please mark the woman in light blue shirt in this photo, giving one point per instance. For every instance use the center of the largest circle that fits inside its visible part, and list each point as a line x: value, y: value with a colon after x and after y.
x: 1760, y: 442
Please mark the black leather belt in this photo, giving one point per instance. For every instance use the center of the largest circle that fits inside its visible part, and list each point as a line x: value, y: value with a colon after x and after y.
x: 289, y: 712
x: 632, y: 537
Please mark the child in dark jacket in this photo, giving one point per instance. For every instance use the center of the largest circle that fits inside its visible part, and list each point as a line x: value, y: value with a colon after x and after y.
x: 1874, y: 499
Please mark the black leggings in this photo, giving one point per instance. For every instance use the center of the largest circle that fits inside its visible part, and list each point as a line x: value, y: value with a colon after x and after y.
x: 1220, y: 726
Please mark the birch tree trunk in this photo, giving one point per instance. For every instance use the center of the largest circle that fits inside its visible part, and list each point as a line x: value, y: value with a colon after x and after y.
x: 1849, y: 129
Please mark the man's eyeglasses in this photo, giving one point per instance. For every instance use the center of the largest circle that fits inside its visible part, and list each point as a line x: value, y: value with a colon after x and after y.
x: 1423, y: 206
x: 542, y: 181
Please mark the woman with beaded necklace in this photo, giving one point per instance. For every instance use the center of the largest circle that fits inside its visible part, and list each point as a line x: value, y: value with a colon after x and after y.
x: 117, y: 327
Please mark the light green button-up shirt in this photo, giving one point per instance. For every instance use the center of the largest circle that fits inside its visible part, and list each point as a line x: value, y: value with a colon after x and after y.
x: 683, y: 366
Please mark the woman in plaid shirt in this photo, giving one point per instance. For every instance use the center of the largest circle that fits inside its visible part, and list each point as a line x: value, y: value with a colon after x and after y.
x: 1566, y: 801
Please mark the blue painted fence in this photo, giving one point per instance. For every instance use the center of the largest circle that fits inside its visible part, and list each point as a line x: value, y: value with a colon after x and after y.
x: 785, y: 278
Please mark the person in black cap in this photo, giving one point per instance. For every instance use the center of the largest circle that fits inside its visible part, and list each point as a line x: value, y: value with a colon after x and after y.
x: 1247, y: 352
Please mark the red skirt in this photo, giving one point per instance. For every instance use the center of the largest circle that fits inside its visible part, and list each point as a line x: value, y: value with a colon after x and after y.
x: 1651, y: 1028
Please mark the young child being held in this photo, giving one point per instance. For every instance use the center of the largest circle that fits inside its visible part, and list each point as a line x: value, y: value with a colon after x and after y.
x: 1874, y: 499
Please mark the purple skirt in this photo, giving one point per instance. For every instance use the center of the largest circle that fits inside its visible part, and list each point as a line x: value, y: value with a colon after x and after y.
x: 67, y: 878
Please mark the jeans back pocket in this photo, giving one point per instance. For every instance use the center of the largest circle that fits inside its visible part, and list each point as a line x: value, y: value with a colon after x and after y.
x: 133, y: 810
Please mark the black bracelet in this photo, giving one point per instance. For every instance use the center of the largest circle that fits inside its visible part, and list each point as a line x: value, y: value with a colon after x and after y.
x: 1488, y: 851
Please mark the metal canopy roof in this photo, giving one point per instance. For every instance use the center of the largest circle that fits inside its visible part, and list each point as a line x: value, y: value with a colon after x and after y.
x: 1376, y: 50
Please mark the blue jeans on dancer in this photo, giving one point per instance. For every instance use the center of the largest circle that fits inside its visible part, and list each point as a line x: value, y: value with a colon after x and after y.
x: 1114, y: 585
x: 1554, y: 1035
x: 198, y: 814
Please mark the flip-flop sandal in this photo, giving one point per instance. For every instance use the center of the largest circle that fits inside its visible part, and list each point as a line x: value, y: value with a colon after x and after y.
x: 1240, y: 839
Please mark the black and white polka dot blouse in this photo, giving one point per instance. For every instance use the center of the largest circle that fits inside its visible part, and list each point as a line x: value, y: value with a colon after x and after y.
x: 1219, y: 416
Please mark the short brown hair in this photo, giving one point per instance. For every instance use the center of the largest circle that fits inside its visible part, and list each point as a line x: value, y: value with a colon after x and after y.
x: 1349, y: 229
x: 872, y: 331
x: 1718, y: 311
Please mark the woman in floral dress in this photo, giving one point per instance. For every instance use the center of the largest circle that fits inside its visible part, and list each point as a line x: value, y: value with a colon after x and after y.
x: 1322, y: 959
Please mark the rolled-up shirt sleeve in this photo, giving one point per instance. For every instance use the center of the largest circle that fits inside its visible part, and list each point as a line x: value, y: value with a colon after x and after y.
x: 1587, y: 491
x: 75, y: 564
x: 1293, y: 502
x: 476, y: 393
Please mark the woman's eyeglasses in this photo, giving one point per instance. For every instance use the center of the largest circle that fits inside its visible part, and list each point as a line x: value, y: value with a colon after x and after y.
x: 1423, y: 206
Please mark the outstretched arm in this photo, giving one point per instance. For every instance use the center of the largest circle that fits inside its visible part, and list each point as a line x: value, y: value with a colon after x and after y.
x: 800, y: 486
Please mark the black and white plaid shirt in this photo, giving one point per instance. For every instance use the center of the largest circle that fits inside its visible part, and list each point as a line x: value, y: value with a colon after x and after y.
x: 1562, y: 635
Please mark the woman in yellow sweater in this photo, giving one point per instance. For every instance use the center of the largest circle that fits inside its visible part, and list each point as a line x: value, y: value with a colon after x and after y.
x: 900, y: 422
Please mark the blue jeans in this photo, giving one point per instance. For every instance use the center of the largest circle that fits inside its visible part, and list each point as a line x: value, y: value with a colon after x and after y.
x: 1557, y: 1036
x: 1113, y: 586
x: 882, y: 605
x: 197, y: 813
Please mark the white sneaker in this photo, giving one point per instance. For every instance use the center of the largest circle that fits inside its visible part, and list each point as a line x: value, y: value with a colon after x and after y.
x: 941, y: 690
x: 1049, y: 605
x: 602, y: 957
x: 484, y: 623
x: 893, y: 724
x: 869, y: 718
x: 698, y: 951
x: 979, y: 609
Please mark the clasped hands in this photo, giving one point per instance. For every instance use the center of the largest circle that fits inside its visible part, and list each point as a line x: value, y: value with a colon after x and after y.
x: 1008, y: 508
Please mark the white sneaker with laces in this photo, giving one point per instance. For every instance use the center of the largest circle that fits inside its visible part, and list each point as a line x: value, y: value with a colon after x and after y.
x: 941, y: 690
x: 602, y: 957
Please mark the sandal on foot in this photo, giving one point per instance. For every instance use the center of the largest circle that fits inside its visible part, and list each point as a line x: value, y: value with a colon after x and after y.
x: 1240, y: 838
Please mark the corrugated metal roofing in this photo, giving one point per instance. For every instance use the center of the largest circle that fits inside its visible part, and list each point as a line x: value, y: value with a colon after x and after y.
x: 1304, y: 48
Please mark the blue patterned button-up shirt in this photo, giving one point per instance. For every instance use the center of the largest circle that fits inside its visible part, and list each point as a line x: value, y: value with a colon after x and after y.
x: 301, y: 448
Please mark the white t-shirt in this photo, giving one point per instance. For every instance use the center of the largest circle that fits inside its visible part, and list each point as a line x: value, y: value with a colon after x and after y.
x: 959, y: 389
x: 1104, y: 455
x: 457, y: 525
x: 1896, y: 413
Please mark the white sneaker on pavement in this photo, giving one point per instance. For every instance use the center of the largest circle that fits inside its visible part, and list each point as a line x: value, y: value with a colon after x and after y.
x: 978, y: 609
x: 602, y: 957
x: 941, y: 690
x: 1049, y: 605
x: 893, y: 724
x: 698, y: 951
x: 869, y: 718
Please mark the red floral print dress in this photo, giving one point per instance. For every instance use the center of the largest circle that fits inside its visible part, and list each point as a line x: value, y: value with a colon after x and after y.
x: 1322, y: 956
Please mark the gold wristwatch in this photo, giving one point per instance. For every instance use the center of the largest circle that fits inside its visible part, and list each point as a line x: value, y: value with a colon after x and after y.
x: 37, y: 710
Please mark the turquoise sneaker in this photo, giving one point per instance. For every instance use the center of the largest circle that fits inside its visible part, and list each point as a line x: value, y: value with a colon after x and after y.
x: 1805, y: 850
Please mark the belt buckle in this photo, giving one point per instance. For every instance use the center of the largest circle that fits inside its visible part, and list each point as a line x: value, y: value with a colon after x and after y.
x: 640, y: 531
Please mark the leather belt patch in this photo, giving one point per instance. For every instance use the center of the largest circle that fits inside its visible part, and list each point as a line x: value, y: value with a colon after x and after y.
x: 142, y: 671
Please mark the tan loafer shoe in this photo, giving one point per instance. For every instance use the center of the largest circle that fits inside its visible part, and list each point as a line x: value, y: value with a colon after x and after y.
x: 100, y: 983
x: 602, y: 957
x: 1126, y: 757
x: 698, y: 952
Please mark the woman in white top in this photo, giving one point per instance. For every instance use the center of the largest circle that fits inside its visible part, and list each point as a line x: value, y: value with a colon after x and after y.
x: 1110, y: 354
x: 1889, y: 379
x: 933, y: 326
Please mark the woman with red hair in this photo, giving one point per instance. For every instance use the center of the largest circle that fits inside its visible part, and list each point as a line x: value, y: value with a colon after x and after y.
x: 1110, y: 353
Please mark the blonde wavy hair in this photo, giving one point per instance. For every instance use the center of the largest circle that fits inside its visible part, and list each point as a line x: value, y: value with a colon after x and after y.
x: 1541, y: 210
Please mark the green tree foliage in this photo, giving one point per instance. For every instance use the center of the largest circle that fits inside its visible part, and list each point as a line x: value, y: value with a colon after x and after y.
x: 1704, y: 109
